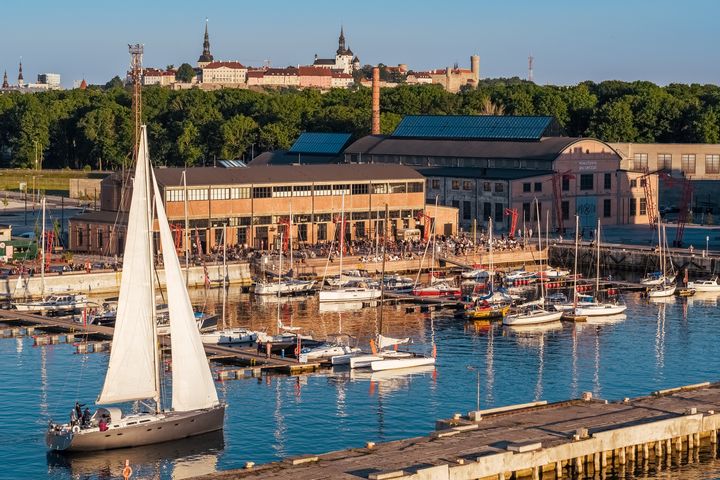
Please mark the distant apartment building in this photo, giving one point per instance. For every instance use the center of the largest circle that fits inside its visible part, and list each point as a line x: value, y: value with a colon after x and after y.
x: 52, y: 80
x: 224, y: 73
x: 452, y: 79
x: 154, y: 76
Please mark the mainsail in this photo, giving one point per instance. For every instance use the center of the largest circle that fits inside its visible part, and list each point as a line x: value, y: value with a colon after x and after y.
x: 131, y: 372
x: 192, y: 383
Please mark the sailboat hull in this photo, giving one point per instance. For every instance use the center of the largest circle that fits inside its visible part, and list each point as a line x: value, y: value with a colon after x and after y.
x: 153, y: 429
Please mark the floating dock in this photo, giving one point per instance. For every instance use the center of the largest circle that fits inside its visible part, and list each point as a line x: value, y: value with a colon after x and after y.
x: 570, y: 439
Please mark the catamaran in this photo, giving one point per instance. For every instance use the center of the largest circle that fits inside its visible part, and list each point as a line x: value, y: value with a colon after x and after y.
x: 134, y: 370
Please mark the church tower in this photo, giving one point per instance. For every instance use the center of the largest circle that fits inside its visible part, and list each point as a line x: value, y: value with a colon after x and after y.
x: 21, y: 80
x: 341, y: 42
x: 5, y: 83
x: 206, y: 56
x: 343, y: 56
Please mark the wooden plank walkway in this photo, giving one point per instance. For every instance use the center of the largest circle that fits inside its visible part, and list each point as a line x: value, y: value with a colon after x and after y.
x: 566, y: 437
x: 247, y: 356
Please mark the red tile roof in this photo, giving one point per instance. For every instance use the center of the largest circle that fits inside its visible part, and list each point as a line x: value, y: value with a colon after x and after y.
x: 315, y: 72
x: 223, y: 64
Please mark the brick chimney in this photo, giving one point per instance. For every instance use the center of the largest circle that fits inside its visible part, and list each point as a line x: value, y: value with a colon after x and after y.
x: 376, y: 101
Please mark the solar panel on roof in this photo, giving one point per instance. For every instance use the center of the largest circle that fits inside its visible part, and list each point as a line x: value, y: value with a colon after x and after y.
x: 320, y: 143
x: 476, y: 127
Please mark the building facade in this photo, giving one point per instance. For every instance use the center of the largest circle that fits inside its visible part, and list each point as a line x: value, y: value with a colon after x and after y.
x: 256, y: 205
x: 224, y: 73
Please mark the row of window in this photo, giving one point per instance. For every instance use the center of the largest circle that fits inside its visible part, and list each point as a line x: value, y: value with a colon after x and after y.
x: 234, y: 193
x: 468, y: 185
x: 467, y: 212
x: 688, y: 162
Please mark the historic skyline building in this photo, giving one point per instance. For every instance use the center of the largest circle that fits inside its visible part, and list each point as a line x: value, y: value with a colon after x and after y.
x: 345, y: 61
x: 206, y: 56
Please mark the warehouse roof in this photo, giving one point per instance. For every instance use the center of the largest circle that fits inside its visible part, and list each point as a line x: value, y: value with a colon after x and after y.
x: 320, y: 143
x: 547, y: 148
x: 204, y: 176
x: 482, y: 173
x: 478, y: 127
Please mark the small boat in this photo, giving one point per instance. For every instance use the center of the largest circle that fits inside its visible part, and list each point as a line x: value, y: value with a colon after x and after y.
x: 658, y: 291
x: 532, y: 315
x: 398, y: 363
x: 600, y: 309
x: 437, y: 289
x: 656, y: 278
x: 712, y: 285
x: 474, y: 273
x: 54, y: 304
x: 398, y: 284
x: 284, y: 287
x: 486, y: 311
x: 554, y: 273
x: 686, y: 292
x: 328, y: 350
x: 347, y: 277
x: 351, y: 293
x: 230, y: 336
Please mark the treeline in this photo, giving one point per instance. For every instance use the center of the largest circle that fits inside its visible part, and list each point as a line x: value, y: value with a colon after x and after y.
x: 93, y: 128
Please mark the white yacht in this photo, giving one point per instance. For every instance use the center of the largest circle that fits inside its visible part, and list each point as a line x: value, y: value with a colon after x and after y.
x: 54, y: 304
x: 711, y: 285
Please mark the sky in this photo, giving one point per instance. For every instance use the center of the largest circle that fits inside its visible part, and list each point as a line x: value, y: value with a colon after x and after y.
x: 662, y: 41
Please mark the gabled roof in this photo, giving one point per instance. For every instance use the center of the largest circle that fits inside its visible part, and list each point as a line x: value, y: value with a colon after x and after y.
x: 324, y: 61
x: 314, y: 72
x: 320, y: 143
x: 477, y: 127
x: 482, y: 173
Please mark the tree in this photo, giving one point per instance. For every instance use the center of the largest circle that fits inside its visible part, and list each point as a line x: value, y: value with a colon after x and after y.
x: 237, y: 135
x: 276, y: 136
x: 614, y: 122
x: 114, y: 82
x: 106, y: 131
x: 185, y: 73
x: 188, y: 149
x: 29, y: 134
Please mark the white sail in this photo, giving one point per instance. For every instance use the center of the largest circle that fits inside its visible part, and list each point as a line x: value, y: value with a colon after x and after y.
x: 384, y: 342
x: 131, y: 372
x: 192, y: 383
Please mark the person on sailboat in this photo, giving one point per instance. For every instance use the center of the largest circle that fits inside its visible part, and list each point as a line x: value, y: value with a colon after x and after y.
x: 86, y: 418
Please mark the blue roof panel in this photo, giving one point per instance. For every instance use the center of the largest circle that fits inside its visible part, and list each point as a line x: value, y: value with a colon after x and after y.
x: 475, y: 127
x: 320, y: 143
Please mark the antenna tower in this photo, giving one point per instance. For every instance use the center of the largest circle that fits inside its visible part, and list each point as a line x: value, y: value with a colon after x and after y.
x: 136, y: 54
x: 530, y: 68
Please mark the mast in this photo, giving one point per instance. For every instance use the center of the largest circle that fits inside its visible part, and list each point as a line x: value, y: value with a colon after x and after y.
x: 342, y: 234
x: 186, y: 239
x: 597, y: 262
x: 42, y: 248
x: 492, y: 268
x: 290, y: 224
x: 382, y: 281
x: 434, y: 242
x: 537, y: 213
x: 575, y: 276
x: 660, y: 255
x: 151, y: 261
x: 224, y: 279
x: 279, y: 322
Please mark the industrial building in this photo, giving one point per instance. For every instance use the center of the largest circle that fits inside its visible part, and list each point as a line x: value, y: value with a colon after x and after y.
x: 256, y: 205
x: 490, y: 166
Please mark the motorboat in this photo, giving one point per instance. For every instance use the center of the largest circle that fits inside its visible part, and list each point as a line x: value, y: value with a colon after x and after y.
x: 398, y: 363
x: 711, y: 285
x: 474, y: 273
x: 486, y: 311
x: 135, y: 365
x: 229, y: 336
x: 554, y: 273
x: 54, y: 304
x: 398, y: 284
x: 328, y: 350
x: 358, y: 293
x: 347, y: 277
x: 437, y: 289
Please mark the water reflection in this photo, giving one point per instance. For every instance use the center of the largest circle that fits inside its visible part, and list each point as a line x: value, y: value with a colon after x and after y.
x: 183, y: 458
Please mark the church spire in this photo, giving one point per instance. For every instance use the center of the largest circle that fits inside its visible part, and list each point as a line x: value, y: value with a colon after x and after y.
x: 21, y: 80
x: 341, y: 42
x: 206, y: 56
x: 5, y: 83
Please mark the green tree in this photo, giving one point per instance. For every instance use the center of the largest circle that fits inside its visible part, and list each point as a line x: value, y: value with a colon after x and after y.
x: 276, y: 136
x: 189, y: 151
x: 114, y: 82
x: 237, y: 135
x: 106, y: 131
x: 613, y: 122
x: 29, y: 133
x: 185, y: 73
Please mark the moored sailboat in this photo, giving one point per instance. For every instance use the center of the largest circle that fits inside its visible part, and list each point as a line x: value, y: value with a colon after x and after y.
x: 134, y: 368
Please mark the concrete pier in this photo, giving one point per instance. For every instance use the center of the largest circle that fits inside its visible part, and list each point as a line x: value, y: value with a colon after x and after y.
x: 564, y: 439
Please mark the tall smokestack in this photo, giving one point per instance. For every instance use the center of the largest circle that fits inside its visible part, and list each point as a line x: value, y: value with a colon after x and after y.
x: 376, y: 101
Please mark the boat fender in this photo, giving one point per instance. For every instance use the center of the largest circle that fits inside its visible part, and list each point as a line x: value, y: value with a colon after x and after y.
x: 75, y: 429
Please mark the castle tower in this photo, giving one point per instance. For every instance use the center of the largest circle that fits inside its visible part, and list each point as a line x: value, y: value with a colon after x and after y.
x: 5, y: 83
x: 206, y: 56
x: 475, y: 67
x: 21, y: 80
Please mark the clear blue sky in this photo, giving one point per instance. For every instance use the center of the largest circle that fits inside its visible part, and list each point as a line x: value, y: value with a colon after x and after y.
x: 662, y: 41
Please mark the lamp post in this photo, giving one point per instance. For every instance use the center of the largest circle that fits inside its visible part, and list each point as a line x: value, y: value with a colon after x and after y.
x: 477, y: 370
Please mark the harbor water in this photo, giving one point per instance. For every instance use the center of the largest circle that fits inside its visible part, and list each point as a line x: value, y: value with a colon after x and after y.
x: 653, y: 346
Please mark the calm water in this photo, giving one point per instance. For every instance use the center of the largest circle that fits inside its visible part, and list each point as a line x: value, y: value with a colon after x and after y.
x: 656, y: 345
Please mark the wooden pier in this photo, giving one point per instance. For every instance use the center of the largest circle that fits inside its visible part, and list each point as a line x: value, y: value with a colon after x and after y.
x: 568, y: 439
x: 259, y: 363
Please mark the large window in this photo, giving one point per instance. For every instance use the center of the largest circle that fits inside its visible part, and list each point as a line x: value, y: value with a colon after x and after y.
x: 341, y: 189
x: 499, y: 187
x: 565, y: 183
x: 586, y: 181
x: 262, y: 192
x: 487, y: 210
x: 712, y: 163
x: 455, y: 185
x: 197, y: 194
x: 608, y: 181
x: 467, y: 210
x: 526, y: 211
x: 664, y: 161
x: 607, y: 207
x: 565, y: 207
x: 537, y: 187
x: 239, y: 192
x: 379, y: 188
x: 487, y: 187
x: 467, y: 185
x: 219, y: 194
x: 527, y: 187
x: 400, y: 187
x: 282, y: 191
x: 415, y: 187
x: 360, y: 189
x: 687, y: 163
x: 633, y: 207
x: 640, y: 161
x: 302, y: 190
x: 499, y: 212
x: 322, y: 232
x: 643, y: 206
x: 435, y: 184
x: 323, y: 190
x: 174, y: 196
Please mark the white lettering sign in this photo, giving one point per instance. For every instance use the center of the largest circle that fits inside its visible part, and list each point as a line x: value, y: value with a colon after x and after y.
x: 587, y: 165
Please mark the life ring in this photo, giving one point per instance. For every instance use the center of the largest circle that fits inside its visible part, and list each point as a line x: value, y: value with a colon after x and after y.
x: 75, y: 429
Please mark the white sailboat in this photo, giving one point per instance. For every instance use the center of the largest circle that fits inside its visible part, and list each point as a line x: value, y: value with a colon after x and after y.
x: 134, y: 370
x: 352, y: 293
x: 533, y: 313
x: 667, y: 287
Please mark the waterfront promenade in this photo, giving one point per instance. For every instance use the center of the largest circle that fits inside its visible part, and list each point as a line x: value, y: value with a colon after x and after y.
x: 553, y: 440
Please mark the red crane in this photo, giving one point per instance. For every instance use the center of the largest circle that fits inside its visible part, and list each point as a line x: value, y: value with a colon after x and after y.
x: 513, y: 221
x: 557, y: 179
x: 428, y: 224
x: 683, y: 208
x: 286, y: 232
